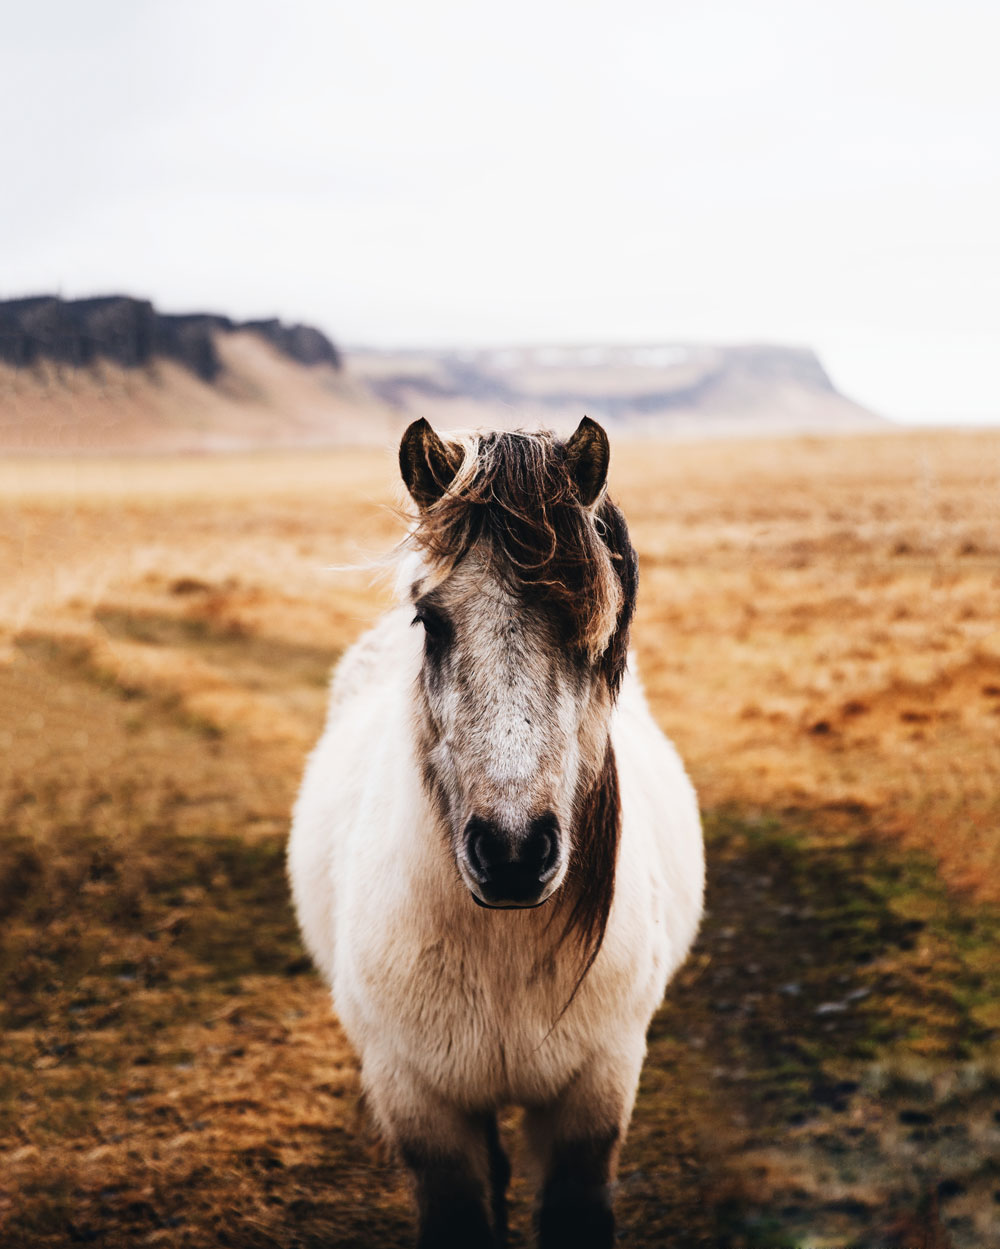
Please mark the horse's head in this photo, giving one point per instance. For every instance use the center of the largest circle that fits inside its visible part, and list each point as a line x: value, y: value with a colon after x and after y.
x: 525, y: 595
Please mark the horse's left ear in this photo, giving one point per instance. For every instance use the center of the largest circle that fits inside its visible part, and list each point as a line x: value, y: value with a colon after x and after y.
x: 588, y: 454
x: 427, y: 463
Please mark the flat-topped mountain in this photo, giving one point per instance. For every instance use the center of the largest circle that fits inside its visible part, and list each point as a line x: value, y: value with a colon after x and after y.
x: 650, y: 389
x: 112, y: 373
x: 130, y: 332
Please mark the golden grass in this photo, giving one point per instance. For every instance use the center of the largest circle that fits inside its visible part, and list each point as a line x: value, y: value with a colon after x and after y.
x: 817, y: 626
x: 817, y: 631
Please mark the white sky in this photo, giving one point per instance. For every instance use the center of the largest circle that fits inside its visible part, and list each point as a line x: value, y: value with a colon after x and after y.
x: 449, y: 172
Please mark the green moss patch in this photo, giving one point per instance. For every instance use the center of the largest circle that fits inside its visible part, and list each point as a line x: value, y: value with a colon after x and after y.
x: 834, y: 1026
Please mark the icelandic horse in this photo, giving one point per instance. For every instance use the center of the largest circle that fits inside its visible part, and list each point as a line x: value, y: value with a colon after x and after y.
x: 496, y: 855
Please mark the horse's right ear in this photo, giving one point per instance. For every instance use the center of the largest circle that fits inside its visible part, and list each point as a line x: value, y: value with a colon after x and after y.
x: 427, y: 463
x: 587, y: 457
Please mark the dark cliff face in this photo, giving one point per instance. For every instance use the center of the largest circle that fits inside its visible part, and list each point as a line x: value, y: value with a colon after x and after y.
x: 131, y: 333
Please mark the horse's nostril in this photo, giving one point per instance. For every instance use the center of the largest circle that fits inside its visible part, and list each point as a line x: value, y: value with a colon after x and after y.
x: 477, y: 855
x: 486, y: 849
x: 541, y: 847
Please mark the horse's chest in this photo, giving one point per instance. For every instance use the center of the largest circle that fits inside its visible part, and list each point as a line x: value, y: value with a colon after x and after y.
x: 475, y: 1016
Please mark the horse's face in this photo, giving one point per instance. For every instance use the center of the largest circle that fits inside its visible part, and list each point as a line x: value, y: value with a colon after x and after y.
x: 515, y: 729
x: 524, y: 613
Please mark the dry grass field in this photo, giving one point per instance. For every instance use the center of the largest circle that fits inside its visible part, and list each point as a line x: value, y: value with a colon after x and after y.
x: 818, y: 631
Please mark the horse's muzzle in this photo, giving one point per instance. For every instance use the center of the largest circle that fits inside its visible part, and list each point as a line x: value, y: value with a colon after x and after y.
x: 511, y: 869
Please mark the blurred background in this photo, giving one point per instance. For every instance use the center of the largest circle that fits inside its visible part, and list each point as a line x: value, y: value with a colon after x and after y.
x: 241, y: 248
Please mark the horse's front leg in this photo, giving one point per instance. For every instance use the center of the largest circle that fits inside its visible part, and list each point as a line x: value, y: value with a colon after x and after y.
x: 576, y: 1142
x: 450, y: 1200
x: 499, y: 1177
x: 452, y: 1158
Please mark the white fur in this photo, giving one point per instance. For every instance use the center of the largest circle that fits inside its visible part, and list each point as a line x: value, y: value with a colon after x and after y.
x: 450, y: 1007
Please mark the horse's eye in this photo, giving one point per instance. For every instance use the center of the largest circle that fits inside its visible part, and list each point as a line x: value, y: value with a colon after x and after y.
x: 436, y: 626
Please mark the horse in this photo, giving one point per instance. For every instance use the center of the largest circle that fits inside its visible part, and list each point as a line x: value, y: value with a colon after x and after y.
x: 496, y: 856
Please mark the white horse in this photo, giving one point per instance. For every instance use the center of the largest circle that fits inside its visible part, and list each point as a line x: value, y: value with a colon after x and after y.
x: 496, y: 855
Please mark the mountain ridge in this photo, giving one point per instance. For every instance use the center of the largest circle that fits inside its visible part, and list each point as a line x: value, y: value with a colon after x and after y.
x: 111, y: 373
x: 131, y: 332
x: 639, y: 388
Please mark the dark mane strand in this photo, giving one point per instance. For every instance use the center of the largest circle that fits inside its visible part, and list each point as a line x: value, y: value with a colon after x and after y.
x: 625, y: 562
x: 590, y: 883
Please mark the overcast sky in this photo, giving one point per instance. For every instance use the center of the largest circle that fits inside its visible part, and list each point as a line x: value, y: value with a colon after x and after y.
x: 445, y: 172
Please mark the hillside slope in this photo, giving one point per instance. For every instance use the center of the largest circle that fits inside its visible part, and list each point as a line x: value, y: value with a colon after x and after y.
x: 113, y: 374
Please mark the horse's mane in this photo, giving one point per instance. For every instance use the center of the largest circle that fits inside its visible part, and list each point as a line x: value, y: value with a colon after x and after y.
x: 514, y: 499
